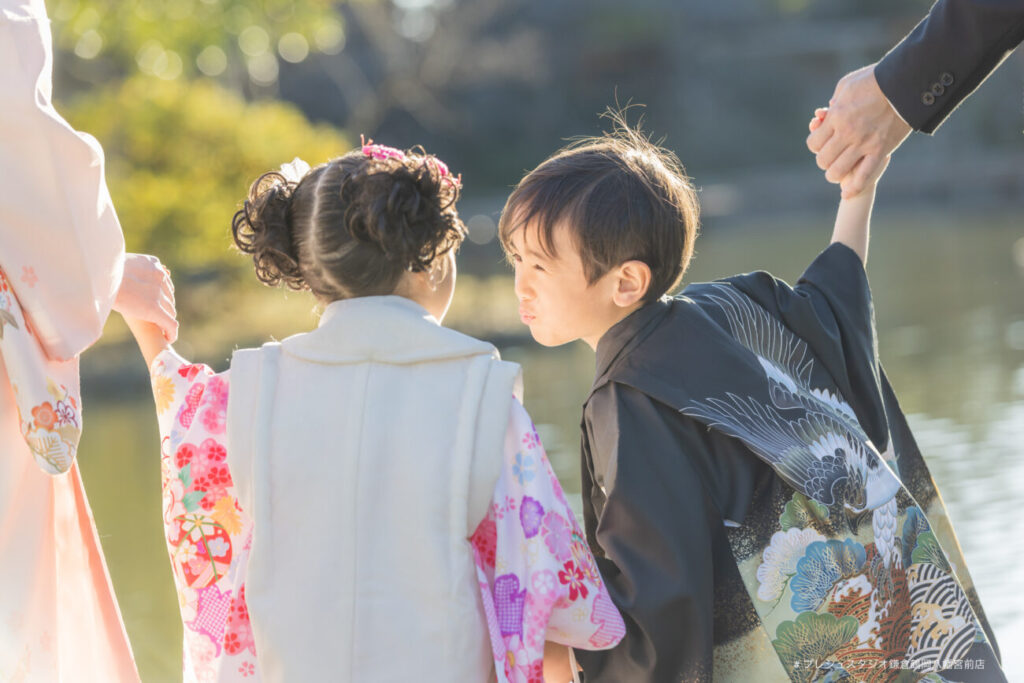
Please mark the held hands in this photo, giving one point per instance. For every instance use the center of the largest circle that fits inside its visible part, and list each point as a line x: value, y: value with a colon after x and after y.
x: 853, y: 217
x: 869, y: 169
x: 852, y: 145
x: 147, y: 294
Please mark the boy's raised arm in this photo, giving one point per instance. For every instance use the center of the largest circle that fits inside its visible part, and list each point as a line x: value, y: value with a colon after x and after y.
x: 853, y: 218
x: 853, y: 222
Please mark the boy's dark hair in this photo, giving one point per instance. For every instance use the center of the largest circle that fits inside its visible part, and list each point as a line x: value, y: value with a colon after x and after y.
x: 622, y: 197
x: 352, y: 226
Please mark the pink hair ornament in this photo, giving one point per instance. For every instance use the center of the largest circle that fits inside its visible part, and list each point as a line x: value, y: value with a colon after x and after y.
x: 383, y: 152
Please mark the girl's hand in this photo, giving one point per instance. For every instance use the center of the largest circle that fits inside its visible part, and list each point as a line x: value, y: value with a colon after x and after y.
x: 147, y: 294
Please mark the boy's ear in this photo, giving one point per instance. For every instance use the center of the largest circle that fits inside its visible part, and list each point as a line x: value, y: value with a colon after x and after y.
x: 631, y: 283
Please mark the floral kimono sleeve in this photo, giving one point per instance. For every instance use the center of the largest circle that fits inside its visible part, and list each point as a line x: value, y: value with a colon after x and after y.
x: 45, y: 390
x: 537, y: 575
x: 208, y: 534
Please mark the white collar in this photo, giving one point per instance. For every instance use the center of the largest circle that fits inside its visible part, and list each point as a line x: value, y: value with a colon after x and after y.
x: 390, y: 329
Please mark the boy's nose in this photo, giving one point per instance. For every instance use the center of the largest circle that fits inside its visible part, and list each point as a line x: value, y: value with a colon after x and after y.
x: 521, y: 286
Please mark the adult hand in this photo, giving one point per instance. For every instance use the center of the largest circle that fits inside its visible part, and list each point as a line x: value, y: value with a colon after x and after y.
x: 862, y: 129
x: 818, y: 120
x: 147, y: 293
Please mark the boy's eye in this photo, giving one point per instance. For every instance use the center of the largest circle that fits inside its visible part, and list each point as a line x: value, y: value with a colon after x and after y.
x: 540, y: 268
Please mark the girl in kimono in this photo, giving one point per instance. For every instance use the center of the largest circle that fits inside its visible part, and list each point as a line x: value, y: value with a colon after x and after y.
x: 368, y: 501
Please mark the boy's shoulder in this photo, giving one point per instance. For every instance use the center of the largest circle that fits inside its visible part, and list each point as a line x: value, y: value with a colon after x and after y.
x: 665, y: 349
x: 837, y: 269
x: 708, y: 338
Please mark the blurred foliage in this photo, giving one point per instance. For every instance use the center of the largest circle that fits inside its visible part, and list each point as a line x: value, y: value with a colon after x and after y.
x: 239, y: 39
x: 181, y: 157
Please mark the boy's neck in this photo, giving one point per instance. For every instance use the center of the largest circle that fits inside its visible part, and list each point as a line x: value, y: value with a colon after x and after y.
x: 619, y: 315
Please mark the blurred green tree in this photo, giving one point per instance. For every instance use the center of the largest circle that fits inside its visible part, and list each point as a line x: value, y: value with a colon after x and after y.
x: 238, y: 41
x: 181, y: 156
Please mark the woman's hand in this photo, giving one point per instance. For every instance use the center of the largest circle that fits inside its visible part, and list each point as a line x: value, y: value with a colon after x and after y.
x: 147, y: 294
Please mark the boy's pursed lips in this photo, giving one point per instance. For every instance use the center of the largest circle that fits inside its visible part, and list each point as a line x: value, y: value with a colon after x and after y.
x: 525, y: 315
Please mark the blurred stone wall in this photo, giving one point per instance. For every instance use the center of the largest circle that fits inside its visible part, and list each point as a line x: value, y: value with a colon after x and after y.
x: 493, y: 86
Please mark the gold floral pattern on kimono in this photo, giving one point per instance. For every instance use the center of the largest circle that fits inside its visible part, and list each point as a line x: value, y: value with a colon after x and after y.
x: 51, y: 420
x: 748, y: 429
x: 853, y: 583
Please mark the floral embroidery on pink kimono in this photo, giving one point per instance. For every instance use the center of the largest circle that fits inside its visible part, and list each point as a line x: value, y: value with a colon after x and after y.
x: 207, y: 533
x: 537, y: 576
x: 51, y: 422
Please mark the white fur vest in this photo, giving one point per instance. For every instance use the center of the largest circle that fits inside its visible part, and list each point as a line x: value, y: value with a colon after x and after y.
x: 366, y: 452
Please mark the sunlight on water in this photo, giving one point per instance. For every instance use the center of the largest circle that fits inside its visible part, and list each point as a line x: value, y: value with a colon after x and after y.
x: 981, y: 482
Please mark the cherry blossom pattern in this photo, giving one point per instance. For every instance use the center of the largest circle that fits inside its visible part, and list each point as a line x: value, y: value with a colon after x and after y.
x: 542, y: 582
x: 207, y: 532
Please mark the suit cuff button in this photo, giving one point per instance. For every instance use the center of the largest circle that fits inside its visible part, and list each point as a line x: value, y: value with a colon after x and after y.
x: 927, y: 99
x: 938, y: 89
x: 946, y: 79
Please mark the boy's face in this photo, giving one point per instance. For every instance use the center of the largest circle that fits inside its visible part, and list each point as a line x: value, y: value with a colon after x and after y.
x: 555, y: 300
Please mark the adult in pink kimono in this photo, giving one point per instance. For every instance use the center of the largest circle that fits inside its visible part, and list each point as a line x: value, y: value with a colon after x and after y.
x: 62, y: 264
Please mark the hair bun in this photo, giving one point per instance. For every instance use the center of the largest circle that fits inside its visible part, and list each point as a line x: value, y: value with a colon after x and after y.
x: 262, y: 227
x: 356, y: 224
x: 410, y: 214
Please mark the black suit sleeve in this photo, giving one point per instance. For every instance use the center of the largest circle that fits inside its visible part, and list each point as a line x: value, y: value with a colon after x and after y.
x: 653, y: 526
x: 947, y: 56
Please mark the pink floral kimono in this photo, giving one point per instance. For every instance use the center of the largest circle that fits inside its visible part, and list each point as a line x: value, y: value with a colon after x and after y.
x: 61, y: 257
x: 536, y: 575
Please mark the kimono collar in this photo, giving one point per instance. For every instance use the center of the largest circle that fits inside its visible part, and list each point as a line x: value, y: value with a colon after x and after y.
x: 389, y: 329
x: 626, y: 335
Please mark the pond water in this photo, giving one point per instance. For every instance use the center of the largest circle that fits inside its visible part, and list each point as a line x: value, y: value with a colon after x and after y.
x: 949, y: 299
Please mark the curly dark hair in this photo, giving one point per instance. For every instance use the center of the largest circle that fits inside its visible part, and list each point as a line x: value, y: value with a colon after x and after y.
x: 350, y: 227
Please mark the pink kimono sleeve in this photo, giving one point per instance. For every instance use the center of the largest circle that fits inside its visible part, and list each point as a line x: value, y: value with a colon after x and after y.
x: 207, y: 532
x: 60, y: 240
x: 537, y: 575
